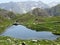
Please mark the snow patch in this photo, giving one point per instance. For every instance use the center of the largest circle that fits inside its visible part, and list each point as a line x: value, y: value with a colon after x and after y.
x: 33, y: 8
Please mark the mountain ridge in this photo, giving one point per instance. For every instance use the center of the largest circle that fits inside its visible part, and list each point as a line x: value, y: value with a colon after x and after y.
x: 22, y: 7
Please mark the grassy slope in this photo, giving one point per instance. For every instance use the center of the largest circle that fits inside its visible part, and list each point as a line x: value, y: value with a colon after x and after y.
x: 4, y: 23
x: 5, y: 19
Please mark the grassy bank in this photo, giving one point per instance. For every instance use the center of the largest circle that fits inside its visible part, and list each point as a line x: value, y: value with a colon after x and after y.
x: 12, y: 41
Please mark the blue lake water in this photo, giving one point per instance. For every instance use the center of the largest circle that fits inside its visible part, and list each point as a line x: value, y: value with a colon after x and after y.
x: 22, y: 32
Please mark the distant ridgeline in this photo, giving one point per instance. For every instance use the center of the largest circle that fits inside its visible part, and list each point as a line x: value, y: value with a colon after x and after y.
x: 31, y: 7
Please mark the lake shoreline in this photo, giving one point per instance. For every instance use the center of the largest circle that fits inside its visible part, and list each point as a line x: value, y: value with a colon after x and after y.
x: 9, y: 40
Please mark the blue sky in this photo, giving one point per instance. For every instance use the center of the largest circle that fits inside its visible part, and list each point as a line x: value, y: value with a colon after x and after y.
x: 45, y: 1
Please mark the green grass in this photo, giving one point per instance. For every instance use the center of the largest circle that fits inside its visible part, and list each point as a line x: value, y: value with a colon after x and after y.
x: 13, y: 41
x: 4, y: 23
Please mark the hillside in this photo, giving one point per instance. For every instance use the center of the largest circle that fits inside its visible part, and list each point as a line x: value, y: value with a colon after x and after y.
x: 7, y: 14
x: 39, y: 12
x: 5, y: 19
x: 53, y: 11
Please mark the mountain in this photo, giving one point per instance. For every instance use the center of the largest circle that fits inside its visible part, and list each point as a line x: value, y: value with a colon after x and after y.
x: 7, y: 14
x: 54, y: 3
x: 54, y: 11
x: 22, y: 7
x: 39, y: 12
